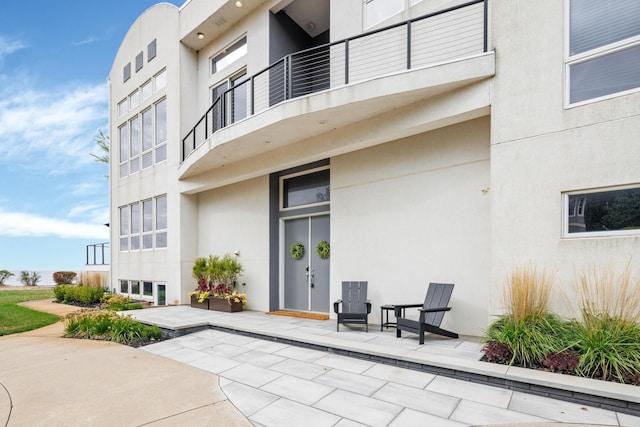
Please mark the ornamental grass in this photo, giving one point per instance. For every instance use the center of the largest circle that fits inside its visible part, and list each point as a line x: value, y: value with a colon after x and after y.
x: 607, y: 332
x: 528, y: 327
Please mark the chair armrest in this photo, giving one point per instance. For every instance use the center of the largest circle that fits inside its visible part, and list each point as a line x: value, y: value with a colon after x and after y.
x: 399, y: 308
x: 335, y: 305
x: 434, y: 310
x: 406, y: 305
x: 368, y: 307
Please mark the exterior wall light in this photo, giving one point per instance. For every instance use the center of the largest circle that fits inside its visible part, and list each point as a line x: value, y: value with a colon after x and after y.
x: 239, y: 3
x: 200, y: 36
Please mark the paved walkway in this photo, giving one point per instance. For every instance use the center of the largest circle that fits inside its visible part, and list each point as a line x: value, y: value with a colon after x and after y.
x: 276, y: 384
x: 50, y: 381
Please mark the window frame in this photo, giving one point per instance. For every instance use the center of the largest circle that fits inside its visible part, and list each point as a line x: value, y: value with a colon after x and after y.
x: 295, y: 175
x: 589, y: 55
x: 580, y: 210
x: 226, y: 52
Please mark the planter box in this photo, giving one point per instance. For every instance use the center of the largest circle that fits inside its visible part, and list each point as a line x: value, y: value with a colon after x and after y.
x: 195, y: 304
x: 217, y: 304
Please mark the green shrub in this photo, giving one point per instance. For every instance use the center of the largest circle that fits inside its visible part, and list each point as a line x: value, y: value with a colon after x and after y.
x: 59, y: 292
x: 531, y: 338
x: 527, y: 327
x: 64, y: 277
x: 108, y: 326
x: 609, y: 347
x: 117, y: 302
x: 87, y: 295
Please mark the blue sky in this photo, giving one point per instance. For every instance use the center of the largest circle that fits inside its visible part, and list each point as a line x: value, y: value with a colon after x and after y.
x: 54, y: 60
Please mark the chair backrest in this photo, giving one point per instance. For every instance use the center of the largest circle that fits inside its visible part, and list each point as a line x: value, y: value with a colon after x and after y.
x: 438, y: 296
x: 354, y: 297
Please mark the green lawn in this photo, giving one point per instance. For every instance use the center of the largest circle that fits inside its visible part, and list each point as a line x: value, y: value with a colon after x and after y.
x: 15, y: 318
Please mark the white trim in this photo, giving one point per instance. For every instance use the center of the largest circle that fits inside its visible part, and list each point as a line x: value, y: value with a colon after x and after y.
x: 591, y: 234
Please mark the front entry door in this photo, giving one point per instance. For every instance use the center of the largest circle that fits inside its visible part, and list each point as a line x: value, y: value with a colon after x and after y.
x: 306, y: 281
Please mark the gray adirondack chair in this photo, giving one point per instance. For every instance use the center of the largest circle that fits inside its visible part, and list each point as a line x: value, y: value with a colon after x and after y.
x: 431, y: 313
x: 355, y: 305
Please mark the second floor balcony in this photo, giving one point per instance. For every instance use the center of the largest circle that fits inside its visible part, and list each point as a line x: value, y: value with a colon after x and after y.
x: 394, y: 82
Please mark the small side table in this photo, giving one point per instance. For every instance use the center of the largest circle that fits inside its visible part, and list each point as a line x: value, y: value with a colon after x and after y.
x: 384, y: 311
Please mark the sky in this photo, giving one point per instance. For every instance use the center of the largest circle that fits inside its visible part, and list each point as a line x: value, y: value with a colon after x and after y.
x: 55, y: 56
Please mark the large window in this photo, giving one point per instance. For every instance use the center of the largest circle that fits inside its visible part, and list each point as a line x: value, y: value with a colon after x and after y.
x: 602, y: 212
x: 143, y: 139
x: 603, y: 56
x: 141, y: 225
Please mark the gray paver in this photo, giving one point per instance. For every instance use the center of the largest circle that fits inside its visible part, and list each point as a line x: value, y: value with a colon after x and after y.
x: 493, y: 396
x: 286, y: 413
x: 475, y: 413
x: 259, y: 358
x: 628, y: 420
x: 306, y: 370
x: 560, y: 411
x: 251, y: 375
x: 409, y: 417
x: 363, y: 409
x: 399, y: 375
x: 344, y: 363
x: 215, y: 364
x: 351, y: 382
x: 247, y: 399
x: 418, y: 399
x: 297, y: 389
x: 299, y: 353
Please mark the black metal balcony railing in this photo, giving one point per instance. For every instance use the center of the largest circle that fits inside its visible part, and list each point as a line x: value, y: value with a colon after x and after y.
x: 98, y: 254
x: 441, y: 36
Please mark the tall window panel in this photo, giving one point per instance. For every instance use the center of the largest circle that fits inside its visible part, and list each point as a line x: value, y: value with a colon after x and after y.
x: 123, y: 138
x: 147, y: 139
x: 147, y: 224
x: 124, y: 228
x: 161, y: 131
x: 134, y: 145
x: 135, y: 227
x: 161, y: 222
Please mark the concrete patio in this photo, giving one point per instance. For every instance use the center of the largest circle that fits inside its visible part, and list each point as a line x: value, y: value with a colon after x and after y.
x: 281, y: 371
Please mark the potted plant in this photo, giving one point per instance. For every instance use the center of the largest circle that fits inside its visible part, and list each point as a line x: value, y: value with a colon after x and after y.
x: 217, y: 278
x: 200, y: 296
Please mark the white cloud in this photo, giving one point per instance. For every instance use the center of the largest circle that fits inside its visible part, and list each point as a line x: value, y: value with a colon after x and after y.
x: 97, y: 212
x: 56, y: 127
x: 88, y: 40
x: 24, y: 224
x: 8, y: 46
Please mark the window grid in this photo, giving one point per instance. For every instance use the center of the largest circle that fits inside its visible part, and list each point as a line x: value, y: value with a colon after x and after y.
x: 143, y: 139
x: 141, y: 225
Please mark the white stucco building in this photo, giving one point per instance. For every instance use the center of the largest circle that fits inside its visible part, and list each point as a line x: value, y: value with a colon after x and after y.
x: 424, y: 140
